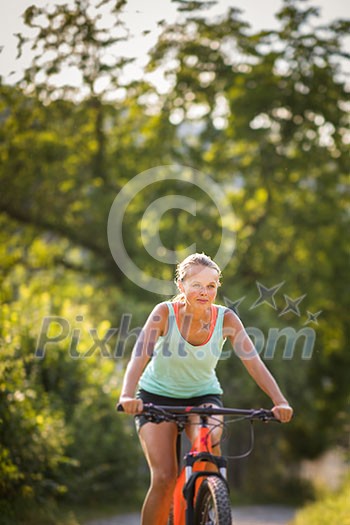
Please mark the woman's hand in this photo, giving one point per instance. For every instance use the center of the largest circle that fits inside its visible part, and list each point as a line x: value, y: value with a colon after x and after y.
x: 283, y: 412
x: 131, y: 405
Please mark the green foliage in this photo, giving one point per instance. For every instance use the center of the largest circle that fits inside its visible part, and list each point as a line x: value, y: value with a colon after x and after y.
x: 333, y: 509
x: 33, y: 433
x: 73, y: 36
x: 100, y: 445
x: 60, y: 437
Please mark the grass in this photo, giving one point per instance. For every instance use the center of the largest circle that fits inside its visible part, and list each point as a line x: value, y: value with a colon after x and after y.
x: 330, y: 509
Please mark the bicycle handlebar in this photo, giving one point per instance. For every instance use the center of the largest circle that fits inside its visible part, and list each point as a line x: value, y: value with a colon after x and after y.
x: 173, y: 411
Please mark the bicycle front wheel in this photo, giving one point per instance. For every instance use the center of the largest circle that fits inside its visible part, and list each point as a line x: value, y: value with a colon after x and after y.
x: 213, y: 503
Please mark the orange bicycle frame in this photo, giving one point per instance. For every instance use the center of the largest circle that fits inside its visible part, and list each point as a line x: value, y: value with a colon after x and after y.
x: 202, y: 443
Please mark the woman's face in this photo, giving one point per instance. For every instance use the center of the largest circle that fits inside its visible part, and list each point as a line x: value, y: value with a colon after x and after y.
x: 200, y: 285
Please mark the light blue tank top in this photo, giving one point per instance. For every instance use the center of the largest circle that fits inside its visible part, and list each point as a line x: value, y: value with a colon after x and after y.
x: 181, y: 370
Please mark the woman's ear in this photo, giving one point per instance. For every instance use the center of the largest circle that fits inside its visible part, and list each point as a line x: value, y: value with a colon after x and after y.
x: 180, y: 286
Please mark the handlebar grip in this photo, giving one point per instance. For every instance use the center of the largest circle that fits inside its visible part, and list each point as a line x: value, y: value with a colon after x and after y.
x: 120, y: 408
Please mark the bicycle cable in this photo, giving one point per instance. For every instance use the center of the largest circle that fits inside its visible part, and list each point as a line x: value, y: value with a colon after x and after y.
x: 224, y: 424
x: 226, y: 433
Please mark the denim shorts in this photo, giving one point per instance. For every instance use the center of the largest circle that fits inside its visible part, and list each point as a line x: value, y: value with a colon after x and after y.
x: 147, y: 397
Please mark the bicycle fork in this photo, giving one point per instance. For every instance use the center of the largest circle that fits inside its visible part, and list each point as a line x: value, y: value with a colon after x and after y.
x: 191, y: 476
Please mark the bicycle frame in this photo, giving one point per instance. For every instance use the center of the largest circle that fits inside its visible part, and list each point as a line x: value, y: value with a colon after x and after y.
x: 193, y: 473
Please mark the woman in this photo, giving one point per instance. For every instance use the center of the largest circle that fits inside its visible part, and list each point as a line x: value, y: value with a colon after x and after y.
x: 184, y: 338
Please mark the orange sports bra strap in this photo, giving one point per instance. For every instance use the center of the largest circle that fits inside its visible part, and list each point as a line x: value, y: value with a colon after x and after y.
x: 214, y: 316
x: 176, y: 311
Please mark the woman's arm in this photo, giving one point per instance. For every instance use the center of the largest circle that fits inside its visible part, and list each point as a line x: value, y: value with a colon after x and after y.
x: 244, y: 348
x: 142, y: 351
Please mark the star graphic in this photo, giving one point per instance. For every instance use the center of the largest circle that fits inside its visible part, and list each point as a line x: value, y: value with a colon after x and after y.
x: 205, y: 326
x: 233, y: 305
x: 312, y: 318
x: 266, y: 295
x: 292, y: 305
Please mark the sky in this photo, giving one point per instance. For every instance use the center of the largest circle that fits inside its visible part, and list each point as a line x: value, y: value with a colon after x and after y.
x: 141, y: 15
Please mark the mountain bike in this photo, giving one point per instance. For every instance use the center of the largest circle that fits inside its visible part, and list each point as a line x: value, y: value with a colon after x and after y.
x: 201, y: 495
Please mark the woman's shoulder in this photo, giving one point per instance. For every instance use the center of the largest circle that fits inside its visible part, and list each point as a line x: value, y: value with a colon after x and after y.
x: 225, y: 311
x: 158, y: 318
x: 220, y: 307
x: 231, y: 318
x: 161, y: 309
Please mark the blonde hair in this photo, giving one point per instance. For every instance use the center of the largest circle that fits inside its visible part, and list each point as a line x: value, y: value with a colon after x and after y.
x: 196, y: 259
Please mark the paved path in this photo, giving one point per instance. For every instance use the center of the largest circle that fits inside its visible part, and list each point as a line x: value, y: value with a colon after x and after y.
x: 266, y: 515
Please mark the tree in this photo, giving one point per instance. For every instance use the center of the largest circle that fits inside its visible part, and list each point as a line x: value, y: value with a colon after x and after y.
x: 272, y: 116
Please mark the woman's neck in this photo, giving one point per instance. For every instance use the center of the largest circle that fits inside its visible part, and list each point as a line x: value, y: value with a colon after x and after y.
x: 195, y: 312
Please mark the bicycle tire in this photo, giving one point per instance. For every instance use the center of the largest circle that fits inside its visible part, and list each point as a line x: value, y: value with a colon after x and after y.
x: 213, y: 503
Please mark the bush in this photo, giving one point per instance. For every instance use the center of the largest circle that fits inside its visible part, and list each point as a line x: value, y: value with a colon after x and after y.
x: 106, y: 450
x: 334, y: 509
